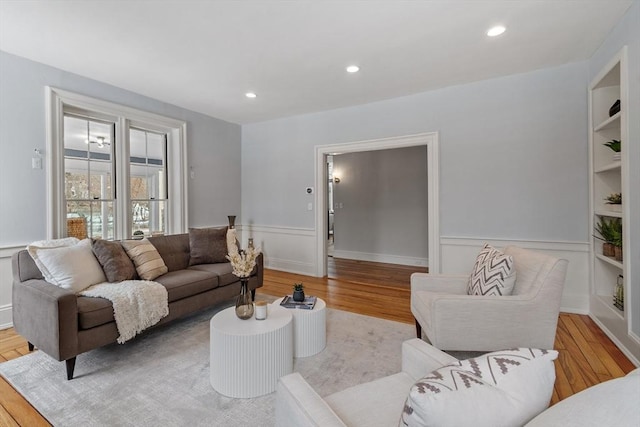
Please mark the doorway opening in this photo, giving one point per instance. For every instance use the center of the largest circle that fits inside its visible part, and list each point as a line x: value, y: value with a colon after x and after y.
x: 323, y: 204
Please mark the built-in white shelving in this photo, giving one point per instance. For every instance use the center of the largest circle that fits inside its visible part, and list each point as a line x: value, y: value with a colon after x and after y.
x: 609, y: 174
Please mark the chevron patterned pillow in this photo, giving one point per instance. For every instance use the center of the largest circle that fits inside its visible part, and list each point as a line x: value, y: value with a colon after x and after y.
x: 493, y: 273
x: 500, y: 389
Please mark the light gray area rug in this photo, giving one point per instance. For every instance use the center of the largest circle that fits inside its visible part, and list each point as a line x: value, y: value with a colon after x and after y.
x: 162, y: 377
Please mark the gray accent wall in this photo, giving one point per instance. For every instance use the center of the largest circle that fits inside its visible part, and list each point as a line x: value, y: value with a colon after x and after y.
x: 513, y: 155
x: 213, y: 149
x: 381, y: 202
x: 627, y: 32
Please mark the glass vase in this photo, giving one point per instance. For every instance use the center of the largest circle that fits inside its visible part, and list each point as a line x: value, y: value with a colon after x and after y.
x: 244, y: 304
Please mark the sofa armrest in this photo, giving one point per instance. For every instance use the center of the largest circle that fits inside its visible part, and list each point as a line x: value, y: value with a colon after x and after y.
x: 46, y: 316
x: 420, y: 358
x: 298, y: 405
x: 450, y: 284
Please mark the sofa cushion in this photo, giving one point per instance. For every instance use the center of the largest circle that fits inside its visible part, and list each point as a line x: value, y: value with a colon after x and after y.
x: 208, y: 245
x: 70, y: 267
x: 503, y: 388
x: 222, y: 270
x: 373, y: 404
x: 115, y: 262
x: 146, y: 258
x: 493, y: 273
x: 94, y: 312
x: 185, y: 283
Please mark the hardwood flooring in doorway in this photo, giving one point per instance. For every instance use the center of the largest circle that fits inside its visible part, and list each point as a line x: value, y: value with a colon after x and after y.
x: 372, y: 273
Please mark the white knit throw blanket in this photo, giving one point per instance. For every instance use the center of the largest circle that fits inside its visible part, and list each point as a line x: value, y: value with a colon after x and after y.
x: 137, y: 304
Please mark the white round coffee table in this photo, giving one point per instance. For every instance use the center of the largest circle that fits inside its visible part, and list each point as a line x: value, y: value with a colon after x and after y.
x: 309, y: 328
x: 249, y: 356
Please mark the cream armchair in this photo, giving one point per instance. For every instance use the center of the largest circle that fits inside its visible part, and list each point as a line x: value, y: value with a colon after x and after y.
x: 453, y: 320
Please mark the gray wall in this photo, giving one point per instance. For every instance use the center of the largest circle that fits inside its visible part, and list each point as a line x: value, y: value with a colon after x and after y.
x: 213, y: 149
x: 384, y: 202
x: 627, y: 32
x: 513, y: 155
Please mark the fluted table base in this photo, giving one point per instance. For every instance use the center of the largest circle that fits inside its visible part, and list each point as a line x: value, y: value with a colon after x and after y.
x: 309, y: 328
x: 249, y: 356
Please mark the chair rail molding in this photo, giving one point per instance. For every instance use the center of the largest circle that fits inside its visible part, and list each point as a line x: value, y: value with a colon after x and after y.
x: 428, y: 139
x: 459, y: 254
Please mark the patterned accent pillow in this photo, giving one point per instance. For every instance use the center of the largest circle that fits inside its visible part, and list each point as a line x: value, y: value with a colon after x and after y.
x: 149, y: 264
x: 116, y: 264
x: 493, y: 273
x: 208, y: 245
x: 503, y: 388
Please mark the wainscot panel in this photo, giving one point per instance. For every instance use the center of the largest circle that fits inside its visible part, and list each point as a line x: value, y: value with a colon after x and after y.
x: 6, y: 280
x: 285, y: 249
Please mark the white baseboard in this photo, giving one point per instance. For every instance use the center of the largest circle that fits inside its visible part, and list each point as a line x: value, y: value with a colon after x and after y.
x: 6, y: 319
x: 458, y: 255
x: 389, y: 259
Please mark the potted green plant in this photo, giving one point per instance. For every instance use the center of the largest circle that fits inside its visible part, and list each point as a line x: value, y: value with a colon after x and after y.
x: 298, y: 292
x: 606, y: 231
x: 614, y: 202
x: 615, y: 145
x: 616, y: 230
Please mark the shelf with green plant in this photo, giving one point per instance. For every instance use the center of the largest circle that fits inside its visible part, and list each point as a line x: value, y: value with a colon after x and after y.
x: 610, y: 232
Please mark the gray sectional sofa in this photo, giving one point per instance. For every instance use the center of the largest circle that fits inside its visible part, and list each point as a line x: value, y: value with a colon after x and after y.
x: 64, y: 325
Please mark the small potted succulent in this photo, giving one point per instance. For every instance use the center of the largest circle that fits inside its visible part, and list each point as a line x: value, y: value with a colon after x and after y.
x: 298, y: 292
x: 614, y: 144
x: 614, y: 202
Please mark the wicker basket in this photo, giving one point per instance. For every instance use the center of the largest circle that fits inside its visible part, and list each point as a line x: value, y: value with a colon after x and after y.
x: 77, y: 227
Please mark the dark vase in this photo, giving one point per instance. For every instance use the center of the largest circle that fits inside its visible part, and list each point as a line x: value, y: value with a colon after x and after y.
x: 244, y: 304
x: 232, y: 221
x: 298, y: 296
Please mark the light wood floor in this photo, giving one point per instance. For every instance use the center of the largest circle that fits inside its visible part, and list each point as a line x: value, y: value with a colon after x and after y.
x: 587, y: 355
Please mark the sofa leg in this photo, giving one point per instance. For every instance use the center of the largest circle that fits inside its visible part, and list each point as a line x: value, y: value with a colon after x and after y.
x: 31, y: 346
x: 418, y: 330
x: 71, y: 364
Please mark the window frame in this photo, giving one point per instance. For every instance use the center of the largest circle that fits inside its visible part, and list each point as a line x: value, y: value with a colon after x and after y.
x: 58, y: 102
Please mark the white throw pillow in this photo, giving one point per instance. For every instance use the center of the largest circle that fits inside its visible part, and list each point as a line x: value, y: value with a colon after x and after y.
x: 71, y: 267
x: 493, y: 273
x: 55, y: 243
x: 504, y: 388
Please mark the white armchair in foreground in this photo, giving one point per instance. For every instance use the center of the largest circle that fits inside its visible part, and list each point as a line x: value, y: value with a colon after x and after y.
x: 453, y: 320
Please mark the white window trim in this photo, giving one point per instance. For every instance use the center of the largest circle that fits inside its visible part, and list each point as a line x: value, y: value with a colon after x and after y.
x: 124, y: 117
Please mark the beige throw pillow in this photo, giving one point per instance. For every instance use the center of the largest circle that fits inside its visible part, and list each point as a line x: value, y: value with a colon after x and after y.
x: 149, y: 264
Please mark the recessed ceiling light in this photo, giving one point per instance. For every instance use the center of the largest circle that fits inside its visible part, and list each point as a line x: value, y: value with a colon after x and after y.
x: 353, y: 69
x: 496, y: 31
x: 250, y: 95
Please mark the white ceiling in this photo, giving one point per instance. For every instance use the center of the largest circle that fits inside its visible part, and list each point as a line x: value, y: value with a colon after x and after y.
x: 204, y: 55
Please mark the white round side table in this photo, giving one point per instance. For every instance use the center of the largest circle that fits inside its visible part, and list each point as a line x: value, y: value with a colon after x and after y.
x: 309, y: 328
x: 249, y: 356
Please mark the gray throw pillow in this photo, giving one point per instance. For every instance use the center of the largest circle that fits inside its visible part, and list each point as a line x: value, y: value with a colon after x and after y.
x: 208, y: 245
x: 116, y: 264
